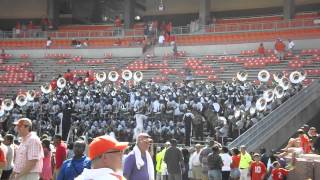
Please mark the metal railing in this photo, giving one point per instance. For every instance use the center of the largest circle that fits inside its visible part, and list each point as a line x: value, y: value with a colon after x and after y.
x: 181, y: 30
x: 277, y: 119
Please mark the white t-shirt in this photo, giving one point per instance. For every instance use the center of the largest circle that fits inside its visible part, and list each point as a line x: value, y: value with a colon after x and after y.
x: 227, y: 160
x: 98, y: 174
x: 161, y: 39
x: 291, y: 45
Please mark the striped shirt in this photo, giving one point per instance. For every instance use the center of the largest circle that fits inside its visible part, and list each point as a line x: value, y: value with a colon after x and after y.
x: 29, y: 149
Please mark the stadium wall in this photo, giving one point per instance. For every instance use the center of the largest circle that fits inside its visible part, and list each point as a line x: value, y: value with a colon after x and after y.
x: 232, y: 48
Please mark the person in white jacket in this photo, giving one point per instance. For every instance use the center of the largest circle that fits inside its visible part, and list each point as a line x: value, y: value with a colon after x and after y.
x: 105, y: 154
x: 195, y: 164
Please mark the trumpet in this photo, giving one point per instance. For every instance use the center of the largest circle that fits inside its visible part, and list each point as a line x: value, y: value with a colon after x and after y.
x: 21, y: 100
x: 263, y: 76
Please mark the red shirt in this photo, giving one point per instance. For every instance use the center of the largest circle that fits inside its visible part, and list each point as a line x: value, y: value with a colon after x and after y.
x: 280, y: 46
x: 235, y: 161
x: 53, y: 84
x: 258, y: 170
x: 261, y: 50
x: 2, y: 156
x: 68, y: 76
x: 278, y: 174
x: 61, y: 154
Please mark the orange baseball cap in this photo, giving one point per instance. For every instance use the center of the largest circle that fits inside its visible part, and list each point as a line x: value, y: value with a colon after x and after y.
x: 102, y: 144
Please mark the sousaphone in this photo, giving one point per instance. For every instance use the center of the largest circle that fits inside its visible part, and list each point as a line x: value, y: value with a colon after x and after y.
x: 7, y: 104
x: 138, y: 76
x: 284, y: 83
x: 242, y: 76
x: 264, y: 76
x: 61, y: 83
x: 113, y: 76
x: 46, y: 88
x: 295, y: 77
x: 268, y: 95
x: 278, y: 92
x: 21, y: 100
x: 1, y: 111
x: 101, y: 76
x: 261, y: 104
x: 126, y: 75
x: 31, y: 94
x: 278, y: 76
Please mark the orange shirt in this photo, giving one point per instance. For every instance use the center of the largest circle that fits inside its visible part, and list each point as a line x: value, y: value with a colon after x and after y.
x: 278, y: 174
x: 258, y: 170
x: 305, y: 143
x: 280, y: 46
x: 235, y: 161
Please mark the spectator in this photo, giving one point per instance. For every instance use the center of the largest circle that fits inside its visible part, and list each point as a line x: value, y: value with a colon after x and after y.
x: 279, y: 173
x: 174, y: 161
x: 185, y: 173
x: 227, y: 160
x: 85, y: 43
x: 73, y: 167
x: 28, y: 161
x: 48, y: 43
x: 304, y: 141
x: 195, y: 164
x: 261, y: 50
x: 279, y: 49
x: 161, y: 166
x: 7, y: 170
x: 3, y: 160
x: 161, y: 40
x: 204, y: 158
x: 290, y: 45
x: 264, y: 156
x: 257, y: 170
x: 174, y: 49
x: 117, y: 22
x: 105, y: 154
x: 245, y: 161
x: 61, y: 153
x: 138, y: 164
x: 215, y: 164
x: 46, y: 173
x: 235, y: 171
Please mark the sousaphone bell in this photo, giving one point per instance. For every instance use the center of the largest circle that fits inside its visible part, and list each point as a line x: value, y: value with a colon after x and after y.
x: 7, y: 104
x: 61, y: 83
x: 268, y: 95
x: 31, y: 94
x: 263, y: 76
x: 126, y: 75
x: 113, y: 76
x: 284, y: 83
x: 295, y: 77
x: 242, y: 76
x: 278, y: 76
x: 261, y: 104
x: 101, y: 76
x: 46, y: 88
x: 278, y: 92
x: 137, y: 76
x: 21, y: 100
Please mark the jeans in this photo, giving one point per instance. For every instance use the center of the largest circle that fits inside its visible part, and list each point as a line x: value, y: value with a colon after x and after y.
x: 214, y: 175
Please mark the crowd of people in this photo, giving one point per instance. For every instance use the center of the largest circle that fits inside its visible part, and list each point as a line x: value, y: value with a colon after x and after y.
x: 31, y: 158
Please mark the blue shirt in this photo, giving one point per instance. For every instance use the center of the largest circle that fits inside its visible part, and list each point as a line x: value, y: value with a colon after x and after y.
x: 130, y: 170
x: 72, y: 168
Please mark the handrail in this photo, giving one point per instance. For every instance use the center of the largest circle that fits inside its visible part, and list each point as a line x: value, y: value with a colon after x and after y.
x: 181, y: 30
x: 280, y: 116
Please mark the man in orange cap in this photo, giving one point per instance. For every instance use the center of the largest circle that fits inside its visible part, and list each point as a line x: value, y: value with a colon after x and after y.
x: 105, y: 154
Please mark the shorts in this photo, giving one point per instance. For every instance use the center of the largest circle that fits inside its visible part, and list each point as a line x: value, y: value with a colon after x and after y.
x: 235, y: 173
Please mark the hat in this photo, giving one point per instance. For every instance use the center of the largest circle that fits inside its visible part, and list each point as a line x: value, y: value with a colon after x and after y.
x: 23, y: 121
x: 256, y: 154
x: 102, y: 144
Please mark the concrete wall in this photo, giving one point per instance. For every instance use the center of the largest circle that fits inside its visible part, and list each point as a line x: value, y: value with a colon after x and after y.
x: 192, y: 6
x: 231, y: 48
x: 24, y: 9
x: 92, y: 53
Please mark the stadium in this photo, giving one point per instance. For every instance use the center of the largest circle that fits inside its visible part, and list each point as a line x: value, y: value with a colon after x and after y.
x: 200, y: 78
